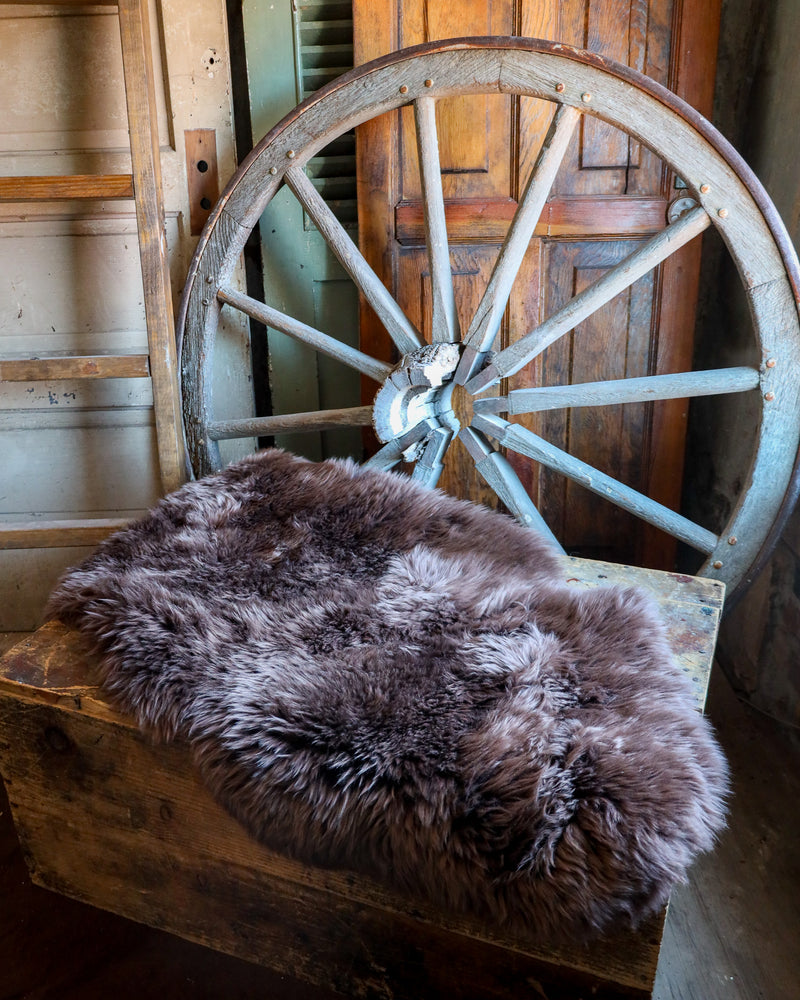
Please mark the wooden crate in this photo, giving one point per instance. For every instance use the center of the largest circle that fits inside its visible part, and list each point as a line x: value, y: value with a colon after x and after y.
x: 105, y: 816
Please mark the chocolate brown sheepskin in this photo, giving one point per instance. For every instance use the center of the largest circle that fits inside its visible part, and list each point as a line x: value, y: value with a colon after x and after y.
x: 379, y: 677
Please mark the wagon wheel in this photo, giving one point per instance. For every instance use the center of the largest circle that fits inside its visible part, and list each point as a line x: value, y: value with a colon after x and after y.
x: 412, y: 412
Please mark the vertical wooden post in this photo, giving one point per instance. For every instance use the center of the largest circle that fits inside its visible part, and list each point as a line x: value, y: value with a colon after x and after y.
x: 137, y: 61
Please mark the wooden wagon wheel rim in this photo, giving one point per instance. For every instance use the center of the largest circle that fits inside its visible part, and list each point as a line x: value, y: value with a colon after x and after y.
x: 412, y: 409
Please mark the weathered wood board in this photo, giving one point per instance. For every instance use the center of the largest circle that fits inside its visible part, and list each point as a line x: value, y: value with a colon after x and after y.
x: 107, y: 817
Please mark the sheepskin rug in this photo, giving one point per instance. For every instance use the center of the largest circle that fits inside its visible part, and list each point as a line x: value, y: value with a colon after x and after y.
x: 379, y: 677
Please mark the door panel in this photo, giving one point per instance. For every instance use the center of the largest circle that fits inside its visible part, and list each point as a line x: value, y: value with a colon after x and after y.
x: 615, y: 342
x: 609, y: 192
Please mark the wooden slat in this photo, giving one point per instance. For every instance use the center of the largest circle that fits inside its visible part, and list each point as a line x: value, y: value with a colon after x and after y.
x: 203, y: 185
x: 137, y: 61
x: 63, y: 188
x: 397, y: 324
x: 501, y: 477
x: 377, y: 370
x: 58, y: 3
x: 488, y: 219
x: 95, y: 366
x: 486, y: 321
x: 429, y: 465
x: 58, y: 534
x: 392, y: 452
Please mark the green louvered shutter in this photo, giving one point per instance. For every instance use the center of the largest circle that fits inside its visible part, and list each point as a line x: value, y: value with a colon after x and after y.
x: 293, y: 47
x: 324, y: 50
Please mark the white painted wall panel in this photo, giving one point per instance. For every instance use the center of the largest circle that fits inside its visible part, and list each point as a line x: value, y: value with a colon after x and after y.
x: 70, y: 280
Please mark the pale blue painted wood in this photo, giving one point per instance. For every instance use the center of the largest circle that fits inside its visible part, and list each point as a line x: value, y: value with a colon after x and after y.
x: 317, y: 420
x: 397, y: 324
x: 392, y: 453
x: 521, y: 440
x: 497, y: 471
x: 444, y: 319
x: 714, y: 382
x: 486, y: 321
x: 430, y: 465
x: 292, y: 327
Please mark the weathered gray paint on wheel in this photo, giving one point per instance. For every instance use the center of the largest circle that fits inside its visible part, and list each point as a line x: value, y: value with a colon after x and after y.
x: 717, y: 179
x: 444, y: 320
x: 715, y: 382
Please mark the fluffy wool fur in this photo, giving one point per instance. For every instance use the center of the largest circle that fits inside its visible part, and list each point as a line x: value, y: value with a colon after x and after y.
x: 377, y: 676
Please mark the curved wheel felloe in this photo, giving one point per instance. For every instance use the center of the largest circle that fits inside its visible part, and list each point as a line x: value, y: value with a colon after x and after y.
x: 413, y: 413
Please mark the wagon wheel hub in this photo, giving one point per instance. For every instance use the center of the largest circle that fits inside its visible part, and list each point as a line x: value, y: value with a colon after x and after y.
x: 420, y: 388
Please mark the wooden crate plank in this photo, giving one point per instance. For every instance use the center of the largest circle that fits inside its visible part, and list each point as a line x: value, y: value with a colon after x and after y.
x: 690, y: 606
x: 110, y: 818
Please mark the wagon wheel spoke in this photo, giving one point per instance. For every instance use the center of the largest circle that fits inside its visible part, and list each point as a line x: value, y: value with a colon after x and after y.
x: 392, y: 453
x: 714, y: 382
x: 525, y: 442
x: 429, y: 465
x: 314, y: 420
x: 498, y: 473
x: 654, y: 251
x: 377, y: 370
x: 444, y: 324
x: 397, y: 324
x: 488, y: 316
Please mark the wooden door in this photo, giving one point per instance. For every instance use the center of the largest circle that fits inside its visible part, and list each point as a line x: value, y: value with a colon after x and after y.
x: 610, y: 193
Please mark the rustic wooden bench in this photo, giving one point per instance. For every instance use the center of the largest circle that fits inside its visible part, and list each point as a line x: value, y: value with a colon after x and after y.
x: 109, y: 818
